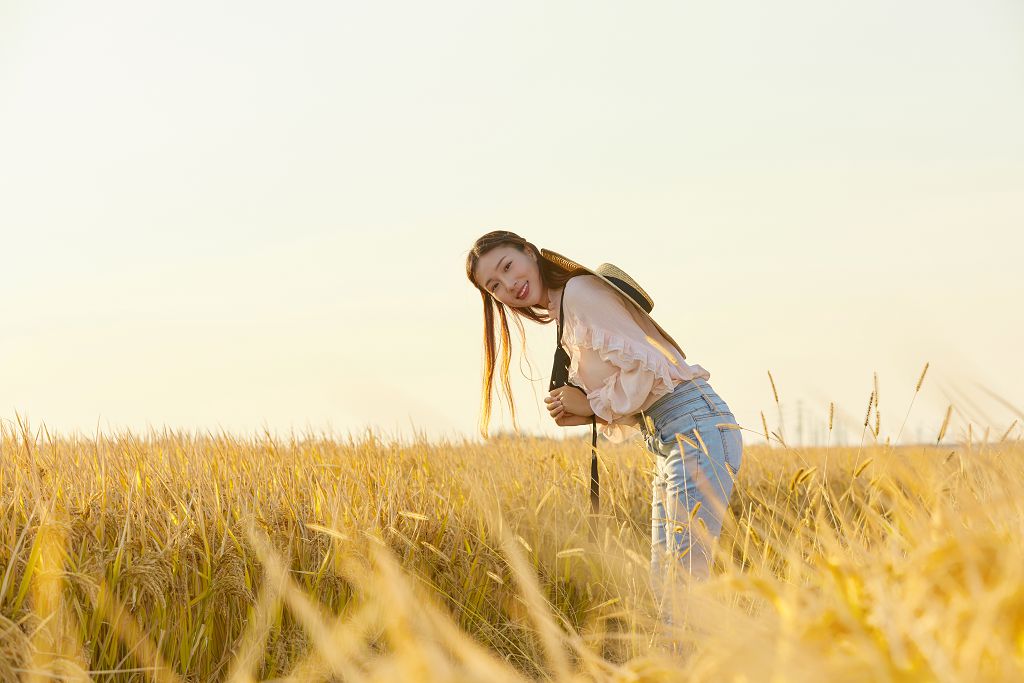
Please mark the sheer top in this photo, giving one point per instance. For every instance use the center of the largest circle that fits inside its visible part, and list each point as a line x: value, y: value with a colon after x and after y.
x: 616, y: 354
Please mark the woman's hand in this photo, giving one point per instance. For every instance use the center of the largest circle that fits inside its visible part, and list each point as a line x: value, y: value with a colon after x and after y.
x: 568, y: 399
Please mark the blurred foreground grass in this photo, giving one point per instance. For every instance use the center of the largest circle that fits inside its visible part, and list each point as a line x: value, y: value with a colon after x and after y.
x: 200, y: 558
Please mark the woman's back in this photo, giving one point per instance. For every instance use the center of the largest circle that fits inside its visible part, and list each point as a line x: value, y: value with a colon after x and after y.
x: 616, y: 353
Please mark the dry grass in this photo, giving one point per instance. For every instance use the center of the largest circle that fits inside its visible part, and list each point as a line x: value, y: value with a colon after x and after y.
x: 175, y: 557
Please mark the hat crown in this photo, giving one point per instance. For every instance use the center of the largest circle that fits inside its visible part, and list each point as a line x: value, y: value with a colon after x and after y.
x: 609, y: 272
x: 627, y: 284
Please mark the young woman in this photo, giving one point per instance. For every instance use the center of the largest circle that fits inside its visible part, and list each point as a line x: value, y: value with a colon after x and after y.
x: 635, y: 378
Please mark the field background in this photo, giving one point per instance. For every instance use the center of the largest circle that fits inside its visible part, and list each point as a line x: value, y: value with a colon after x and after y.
x: 244, y: 219
x: 171, y: 556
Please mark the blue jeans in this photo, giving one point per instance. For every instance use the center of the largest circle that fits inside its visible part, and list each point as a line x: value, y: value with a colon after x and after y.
x: 696, y: 462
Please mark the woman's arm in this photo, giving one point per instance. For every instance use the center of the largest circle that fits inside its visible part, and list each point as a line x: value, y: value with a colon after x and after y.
x: 570, y: 420
x: 567, y: 406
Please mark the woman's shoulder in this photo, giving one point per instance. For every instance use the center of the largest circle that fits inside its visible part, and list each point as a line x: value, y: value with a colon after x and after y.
x: 588, y: 295
x: 584, y: 282
x: 591, y: 287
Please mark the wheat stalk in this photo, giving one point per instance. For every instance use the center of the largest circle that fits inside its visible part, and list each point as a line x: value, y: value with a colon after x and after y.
x: 945, y: 424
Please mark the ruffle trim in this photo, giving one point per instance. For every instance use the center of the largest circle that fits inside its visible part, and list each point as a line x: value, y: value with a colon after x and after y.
x: 617, y: 433
x: 607, y: 345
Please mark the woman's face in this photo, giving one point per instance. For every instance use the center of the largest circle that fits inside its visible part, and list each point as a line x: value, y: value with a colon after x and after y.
x: 504, y: 271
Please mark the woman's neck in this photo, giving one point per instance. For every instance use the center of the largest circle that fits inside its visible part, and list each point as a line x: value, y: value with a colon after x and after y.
x: 549, y: 297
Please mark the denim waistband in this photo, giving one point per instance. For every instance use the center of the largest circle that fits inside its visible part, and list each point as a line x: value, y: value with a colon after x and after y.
x: 693, y: 396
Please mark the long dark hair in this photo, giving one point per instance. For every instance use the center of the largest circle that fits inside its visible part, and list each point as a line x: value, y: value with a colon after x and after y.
x: 553, y: 276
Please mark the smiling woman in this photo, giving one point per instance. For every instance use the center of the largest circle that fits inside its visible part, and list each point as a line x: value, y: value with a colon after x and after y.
x: 512, y: 269
x: 509, y: 273
x: 625, y: 372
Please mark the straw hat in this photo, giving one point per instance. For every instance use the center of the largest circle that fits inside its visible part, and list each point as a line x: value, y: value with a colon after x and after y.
x: 621, y: 282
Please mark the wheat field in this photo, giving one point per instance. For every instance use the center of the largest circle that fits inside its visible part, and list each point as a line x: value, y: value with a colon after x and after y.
x: 174, y: 556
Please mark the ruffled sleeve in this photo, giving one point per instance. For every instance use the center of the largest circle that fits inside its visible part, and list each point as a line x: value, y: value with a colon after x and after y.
x: 612, y: 357
x: 622, y: 392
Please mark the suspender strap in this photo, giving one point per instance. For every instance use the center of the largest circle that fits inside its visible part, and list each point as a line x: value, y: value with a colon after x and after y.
x: 595, y: 484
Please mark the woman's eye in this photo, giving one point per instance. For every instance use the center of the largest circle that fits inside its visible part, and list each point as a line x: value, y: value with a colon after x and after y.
x: 495, y: 285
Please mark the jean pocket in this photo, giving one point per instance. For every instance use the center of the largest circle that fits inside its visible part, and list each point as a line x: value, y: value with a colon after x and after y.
x: 680, y: 424
x: 732, y: 443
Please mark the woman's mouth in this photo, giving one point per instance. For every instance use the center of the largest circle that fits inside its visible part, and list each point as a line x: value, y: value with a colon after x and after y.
x: 524, y: 290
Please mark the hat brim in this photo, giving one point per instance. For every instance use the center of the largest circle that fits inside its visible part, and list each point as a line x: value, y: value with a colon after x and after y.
x: 574, y: 266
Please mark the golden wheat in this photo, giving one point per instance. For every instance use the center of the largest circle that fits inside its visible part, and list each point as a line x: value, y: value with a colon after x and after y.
x: 172, y: 556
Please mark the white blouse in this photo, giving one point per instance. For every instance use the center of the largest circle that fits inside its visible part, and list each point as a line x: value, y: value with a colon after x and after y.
x: 612, y: 356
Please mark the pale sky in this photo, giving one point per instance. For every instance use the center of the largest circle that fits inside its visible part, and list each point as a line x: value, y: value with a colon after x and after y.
x: 246, y: 215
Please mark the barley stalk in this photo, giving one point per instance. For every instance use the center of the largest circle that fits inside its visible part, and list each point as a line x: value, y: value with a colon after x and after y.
x: 795, y: 479
x: 1007, y: 432
x: 774, y: 392
x: 920, y: 380
x: 682, y: 438
x: 703, y: 447
x: 945, y: 424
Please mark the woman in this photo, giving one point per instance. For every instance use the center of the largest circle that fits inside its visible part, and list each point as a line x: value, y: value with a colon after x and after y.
x: 635, y: 378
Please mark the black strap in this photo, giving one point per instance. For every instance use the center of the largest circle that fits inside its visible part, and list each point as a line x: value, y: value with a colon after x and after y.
x: 561, y: 365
